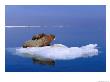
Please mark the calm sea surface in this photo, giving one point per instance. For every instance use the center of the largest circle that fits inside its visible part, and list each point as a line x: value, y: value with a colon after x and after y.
x: 69, y: 36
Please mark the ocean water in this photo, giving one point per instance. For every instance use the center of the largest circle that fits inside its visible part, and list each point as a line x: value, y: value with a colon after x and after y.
x: 73, y: 31
x: 63, y: 36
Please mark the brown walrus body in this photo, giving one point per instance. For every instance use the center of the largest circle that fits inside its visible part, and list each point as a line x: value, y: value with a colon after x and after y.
x: 38, y: 36
x: 39, y: 41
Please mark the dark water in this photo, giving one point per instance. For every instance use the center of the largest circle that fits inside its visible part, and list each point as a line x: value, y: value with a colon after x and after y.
x: 16, y: 36
x: 81, y: 26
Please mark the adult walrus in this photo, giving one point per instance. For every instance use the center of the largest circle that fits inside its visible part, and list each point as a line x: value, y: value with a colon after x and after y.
x: 39, y: 40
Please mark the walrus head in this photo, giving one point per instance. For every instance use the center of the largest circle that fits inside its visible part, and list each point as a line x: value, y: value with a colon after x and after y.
x: 51, y: 37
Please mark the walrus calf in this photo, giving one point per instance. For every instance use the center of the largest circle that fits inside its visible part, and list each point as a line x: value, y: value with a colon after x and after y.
x: 39, y: 40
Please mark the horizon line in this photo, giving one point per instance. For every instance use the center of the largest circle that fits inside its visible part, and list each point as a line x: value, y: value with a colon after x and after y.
x: 20, y: 26
x: 60, y: 26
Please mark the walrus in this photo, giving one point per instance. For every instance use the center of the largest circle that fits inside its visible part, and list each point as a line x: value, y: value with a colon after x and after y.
x: 39, y: 41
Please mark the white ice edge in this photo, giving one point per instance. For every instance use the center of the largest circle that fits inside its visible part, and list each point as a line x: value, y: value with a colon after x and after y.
x: 57, y: 51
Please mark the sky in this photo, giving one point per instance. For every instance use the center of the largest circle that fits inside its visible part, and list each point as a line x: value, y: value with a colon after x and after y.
x: 22, y: 15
